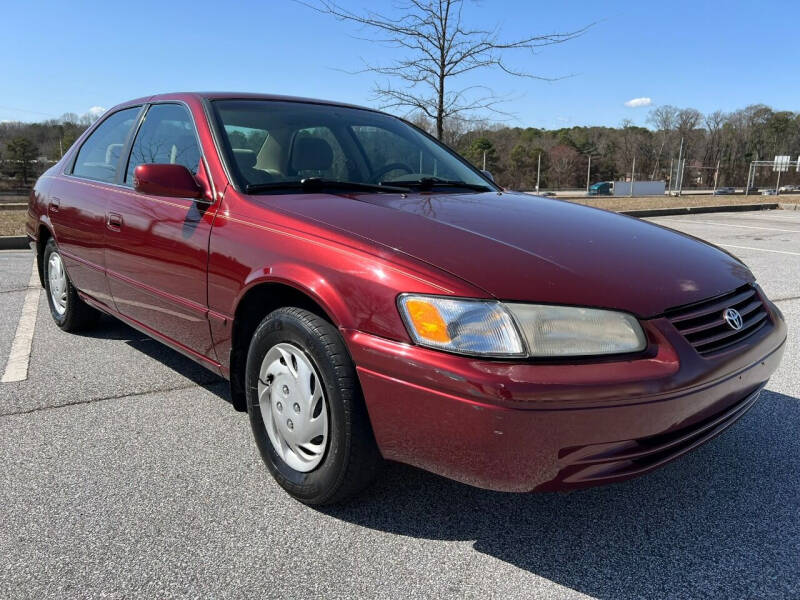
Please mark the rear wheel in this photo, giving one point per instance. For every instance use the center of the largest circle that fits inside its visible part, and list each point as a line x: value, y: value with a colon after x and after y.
x: 69, y: 312
x: 306, y: 409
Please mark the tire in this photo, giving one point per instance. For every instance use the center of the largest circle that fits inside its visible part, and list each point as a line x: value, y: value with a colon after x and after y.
x: 68, y: 310
x: 289, y: 348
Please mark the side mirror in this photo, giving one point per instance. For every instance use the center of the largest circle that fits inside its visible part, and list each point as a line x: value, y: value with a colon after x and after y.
x: 488, y: 174
x: 175, y: 181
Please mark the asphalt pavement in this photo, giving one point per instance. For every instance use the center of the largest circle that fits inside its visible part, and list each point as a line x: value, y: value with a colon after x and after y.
x: 125, y: 472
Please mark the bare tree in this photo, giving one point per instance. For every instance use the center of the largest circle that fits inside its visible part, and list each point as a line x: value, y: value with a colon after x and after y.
x: 563, y: 160
x: 714, y: 123
x: 687, y: 121
x: 439, y: 47
x: 664, y: 119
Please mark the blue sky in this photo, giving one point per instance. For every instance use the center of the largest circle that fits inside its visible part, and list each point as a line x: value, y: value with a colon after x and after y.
x: 71, y: 56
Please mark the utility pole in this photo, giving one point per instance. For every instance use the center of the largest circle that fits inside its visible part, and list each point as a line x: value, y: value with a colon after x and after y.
x: 588, y: 173
x: 484, y: 160
x: 748, y: 185
x: 716, y: 176
x: 669, y: 189
x: 680, y: 178
x: 538, y: 172
x: 633, y: 175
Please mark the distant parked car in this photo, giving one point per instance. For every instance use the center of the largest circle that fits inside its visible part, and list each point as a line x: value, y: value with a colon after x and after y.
x: 788, y: 189
x: 601, y: 188
x: 546, y: 194
x: 769, y: 193
x: 724, y: 191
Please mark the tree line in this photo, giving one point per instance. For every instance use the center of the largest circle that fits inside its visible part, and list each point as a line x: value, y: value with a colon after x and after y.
x: 724, y: 141
x: 27, y: 149
x: 728, y: 140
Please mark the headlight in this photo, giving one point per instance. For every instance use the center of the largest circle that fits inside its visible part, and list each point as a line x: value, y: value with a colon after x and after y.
x: 465, y: 326
x: 487, y: 328
x: 573, y: 331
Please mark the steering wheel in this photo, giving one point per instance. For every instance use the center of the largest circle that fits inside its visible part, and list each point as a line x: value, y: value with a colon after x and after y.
x: 379, y: 173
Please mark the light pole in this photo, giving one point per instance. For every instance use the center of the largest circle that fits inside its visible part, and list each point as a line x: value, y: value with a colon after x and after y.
x: 588, y: 173
x: 671, y: 164
x: 680, y: 177
x: 538, y: 172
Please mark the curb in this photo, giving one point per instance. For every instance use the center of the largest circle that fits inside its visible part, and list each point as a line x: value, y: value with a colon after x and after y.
x: 13, y: 205
x: 14, y: 242
x: 687, y: 210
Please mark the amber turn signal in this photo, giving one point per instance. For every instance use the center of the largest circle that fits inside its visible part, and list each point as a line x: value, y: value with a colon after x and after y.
x: 427, y: 321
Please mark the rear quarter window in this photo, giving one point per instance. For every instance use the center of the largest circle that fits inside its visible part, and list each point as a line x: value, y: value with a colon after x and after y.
x: 100, y: 154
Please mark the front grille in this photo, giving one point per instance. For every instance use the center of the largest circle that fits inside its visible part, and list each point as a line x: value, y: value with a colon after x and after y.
x: 705, y: 328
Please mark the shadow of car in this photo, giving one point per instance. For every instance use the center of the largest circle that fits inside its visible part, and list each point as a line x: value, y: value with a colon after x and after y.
x: 722, y: 522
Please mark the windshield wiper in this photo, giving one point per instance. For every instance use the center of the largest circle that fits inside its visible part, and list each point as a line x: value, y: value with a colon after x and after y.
x: 428, y: 183
x: 319, y: 183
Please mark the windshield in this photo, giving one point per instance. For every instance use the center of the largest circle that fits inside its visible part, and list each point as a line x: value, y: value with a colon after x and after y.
x: 269, y: 143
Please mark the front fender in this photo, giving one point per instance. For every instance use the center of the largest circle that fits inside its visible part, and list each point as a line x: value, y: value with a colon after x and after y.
x: 306, y: 281
x: 356, y: 287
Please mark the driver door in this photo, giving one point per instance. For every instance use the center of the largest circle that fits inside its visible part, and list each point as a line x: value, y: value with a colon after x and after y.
x: 157, y: 247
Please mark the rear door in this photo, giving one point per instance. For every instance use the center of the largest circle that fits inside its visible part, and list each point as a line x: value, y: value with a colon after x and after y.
x: 157, y: 247
x: 78, y: 204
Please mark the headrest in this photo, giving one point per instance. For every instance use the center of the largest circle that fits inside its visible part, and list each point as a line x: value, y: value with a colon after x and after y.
x: 112, y: 153
x: 245, y: 158
x: 311, y: 154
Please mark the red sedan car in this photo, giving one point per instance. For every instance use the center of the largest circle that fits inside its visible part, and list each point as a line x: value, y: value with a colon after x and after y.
x: 370, y: 295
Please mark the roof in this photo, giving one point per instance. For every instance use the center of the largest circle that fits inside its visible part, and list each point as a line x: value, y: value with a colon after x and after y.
x: 237, y: 96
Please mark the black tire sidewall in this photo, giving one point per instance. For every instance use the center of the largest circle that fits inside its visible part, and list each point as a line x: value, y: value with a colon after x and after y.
x: 285, y: 326
x: 49, y: 250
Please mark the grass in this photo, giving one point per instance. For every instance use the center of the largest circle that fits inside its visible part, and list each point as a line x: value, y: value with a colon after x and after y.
x: 618, y: 204
x: 12, y: 199
x: 12, y: 222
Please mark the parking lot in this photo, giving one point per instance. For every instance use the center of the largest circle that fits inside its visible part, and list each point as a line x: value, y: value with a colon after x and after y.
x: 126, y: 472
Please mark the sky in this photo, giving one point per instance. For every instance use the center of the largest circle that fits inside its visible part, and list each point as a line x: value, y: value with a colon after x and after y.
x: 78, y: 57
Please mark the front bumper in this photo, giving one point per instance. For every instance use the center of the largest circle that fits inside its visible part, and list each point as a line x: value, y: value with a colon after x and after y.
x: 526, y: 426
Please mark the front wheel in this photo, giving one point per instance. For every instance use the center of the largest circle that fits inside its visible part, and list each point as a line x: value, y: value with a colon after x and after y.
x: 306, y: 409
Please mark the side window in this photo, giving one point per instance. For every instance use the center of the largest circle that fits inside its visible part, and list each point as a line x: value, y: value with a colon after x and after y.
x: 99, y: 156
x: 166, y: 137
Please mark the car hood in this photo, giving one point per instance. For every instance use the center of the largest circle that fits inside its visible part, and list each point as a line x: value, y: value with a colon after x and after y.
x: 527, y: 248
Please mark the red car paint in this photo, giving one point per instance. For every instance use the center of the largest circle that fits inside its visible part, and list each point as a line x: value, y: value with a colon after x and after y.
x: 178, y: 269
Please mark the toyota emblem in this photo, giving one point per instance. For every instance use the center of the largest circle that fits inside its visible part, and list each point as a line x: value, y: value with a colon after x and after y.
x: 733, y: 318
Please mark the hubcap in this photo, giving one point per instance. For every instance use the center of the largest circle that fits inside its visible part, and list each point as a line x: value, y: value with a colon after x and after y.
x: 293, y: 407
x: 57, y: 279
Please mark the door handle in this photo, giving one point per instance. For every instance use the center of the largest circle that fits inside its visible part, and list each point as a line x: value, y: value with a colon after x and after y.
x: 54, y: 204
x: 114, y: 221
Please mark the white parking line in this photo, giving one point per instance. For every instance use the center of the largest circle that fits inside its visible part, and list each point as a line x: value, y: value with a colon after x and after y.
x: 759, y: 249
x: 730, y: 225
x: 19, y: 357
